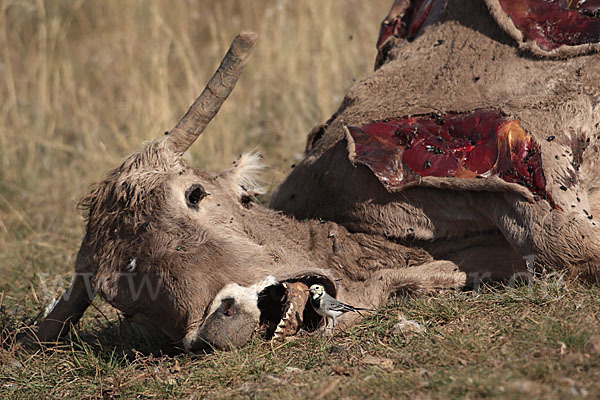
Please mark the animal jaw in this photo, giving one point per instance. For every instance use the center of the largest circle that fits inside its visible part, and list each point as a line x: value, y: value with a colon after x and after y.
x: 284, y: 307
x: 276, y: 309
x: 294, y: 310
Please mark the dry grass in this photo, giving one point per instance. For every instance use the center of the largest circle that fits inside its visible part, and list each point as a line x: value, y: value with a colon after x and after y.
x: 527, y: 341
x: 83, y: 83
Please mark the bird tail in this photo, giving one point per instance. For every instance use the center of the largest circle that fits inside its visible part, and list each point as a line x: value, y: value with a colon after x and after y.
x: 364, y: 309
x: 358, y: 310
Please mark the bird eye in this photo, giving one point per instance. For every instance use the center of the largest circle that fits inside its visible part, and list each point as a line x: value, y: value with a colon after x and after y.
x: 194, y: 194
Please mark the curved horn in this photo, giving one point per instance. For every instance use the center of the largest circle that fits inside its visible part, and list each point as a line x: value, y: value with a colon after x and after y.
x: 206, y: 106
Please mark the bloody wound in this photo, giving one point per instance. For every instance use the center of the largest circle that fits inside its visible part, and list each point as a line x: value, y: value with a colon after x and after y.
x: 553, y: 23
x: 475, y: 145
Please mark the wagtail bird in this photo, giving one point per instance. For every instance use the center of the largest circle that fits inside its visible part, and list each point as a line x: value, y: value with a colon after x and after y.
x: 328, y: 307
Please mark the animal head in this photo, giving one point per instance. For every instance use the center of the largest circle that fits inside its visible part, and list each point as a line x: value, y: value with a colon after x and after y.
x: 162, y: 238
x: 175, y: 221
x: 316, y: 291
x: 232, y: 317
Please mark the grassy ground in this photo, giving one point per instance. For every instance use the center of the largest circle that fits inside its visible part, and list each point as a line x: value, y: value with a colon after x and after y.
x: 529, y: 341
x: 83, y: 83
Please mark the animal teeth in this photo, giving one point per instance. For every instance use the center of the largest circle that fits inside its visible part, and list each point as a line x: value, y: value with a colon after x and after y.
x: 281, y: 324
x: 279, y: 331
x: 290, y: 322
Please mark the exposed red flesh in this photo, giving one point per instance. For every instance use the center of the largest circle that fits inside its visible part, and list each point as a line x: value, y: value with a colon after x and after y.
x: 475, y: 145
x: 406, y: 18
x: 392, y: 24
x: 554, y: 23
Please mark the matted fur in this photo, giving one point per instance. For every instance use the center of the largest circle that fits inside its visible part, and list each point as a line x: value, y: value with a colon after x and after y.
x: 463, y: 63
x: 186, y: 254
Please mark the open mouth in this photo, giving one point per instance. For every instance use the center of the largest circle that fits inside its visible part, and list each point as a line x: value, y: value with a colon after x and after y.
x: 285, y: 308
x: 273, y: 308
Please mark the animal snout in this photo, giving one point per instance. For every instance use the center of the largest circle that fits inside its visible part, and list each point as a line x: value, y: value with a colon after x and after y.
x: 198, y: 345
x: 228, y: 326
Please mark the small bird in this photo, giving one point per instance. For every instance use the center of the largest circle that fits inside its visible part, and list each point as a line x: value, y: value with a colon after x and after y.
x: 328, y: 307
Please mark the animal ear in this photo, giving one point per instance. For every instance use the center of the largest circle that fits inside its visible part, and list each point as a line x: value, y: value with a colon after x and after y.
x: 245, y: 176
x: 314, y: 135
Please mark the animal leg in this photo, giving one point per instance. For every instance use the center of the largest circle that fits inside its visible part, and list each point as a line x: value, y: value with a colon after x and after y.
x: 325, y: 327
x: 333, y: 326
x: 71, y: 305
x: 431, y: 276
x: 425, y: 278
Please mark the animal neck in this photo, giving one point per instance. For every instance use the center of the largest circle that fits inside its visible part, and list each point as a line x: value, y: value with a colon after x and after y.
x: 295, y: 245
x: 307, y: 240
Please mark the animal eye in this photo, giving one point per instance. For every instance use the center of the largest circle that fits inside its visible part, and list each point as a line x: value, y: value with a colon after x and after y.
x: 194, y: 194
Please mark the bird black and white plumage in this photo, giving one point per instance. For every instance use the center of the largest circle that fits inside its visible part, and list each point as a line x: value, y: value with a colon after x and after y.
x: 328, y: 307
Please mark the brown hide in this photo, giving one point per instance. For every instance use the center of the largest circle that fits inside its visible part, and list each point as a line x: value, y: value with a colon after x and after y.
x: 163, y: 239
x: 185, y: 254
x: 465, y: 62
x: 161, y: 258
